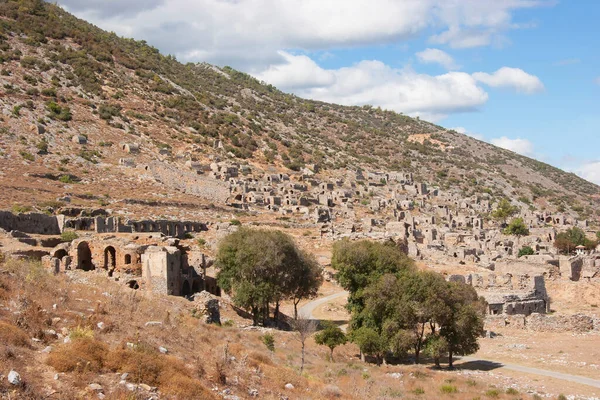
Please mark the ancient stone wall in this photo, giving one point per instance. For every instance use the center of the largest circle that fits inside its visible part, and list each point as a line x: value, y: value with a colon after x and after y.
x: 31, y: 223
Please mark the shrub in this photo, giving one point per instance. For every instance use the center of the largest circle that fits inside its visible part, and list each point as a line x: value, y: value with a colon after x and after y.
x: 526, y: 251
x: 448, y: 389
x: 269, y: 341
x: 27, y: 155
x: 235, y: 222
x: 82, y: 332
x: 418, y: 391
x: 66, y: 178
x: 260, y: 358
x: 12, y: 335
x: 512, y: 391
x: 81, y: 355
x: 57, y: 112
x: 494, y: 393
x: 68, y: 236
x: 19, y: 209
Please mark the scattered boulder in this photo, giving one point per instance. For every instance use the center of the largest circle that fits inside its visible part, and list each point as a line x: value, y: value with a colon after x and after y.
x: 14, y: 378
x: 207, y: 305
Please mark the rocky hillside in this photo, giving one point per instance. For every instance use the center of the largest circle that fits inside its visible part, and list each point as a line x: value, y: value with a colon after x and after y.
x: 78, y: 103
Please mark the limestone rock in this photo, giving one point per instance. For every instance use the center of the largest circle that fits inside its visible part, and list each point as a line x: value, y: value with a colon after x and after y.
x: 207, y: 305
x: 14, y: 378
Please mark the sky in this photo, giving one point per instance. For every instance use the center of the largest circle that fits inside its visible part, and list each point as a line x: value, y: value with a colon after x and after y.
x: 520, y: 74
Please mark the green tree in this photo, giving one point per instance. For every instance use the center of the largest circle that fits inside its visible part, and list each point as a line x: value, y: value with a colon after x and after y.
x: 526, y: 251
x: 567, y: 241
x: 436, y: 346
x: 363, y: 262
x: 504, y: 211
x: 370, y: 343
x: 405, y: 308
x: 517, y: 227
x: 305, y: 280
x: 463, y: 324
x: 331, y: 336
x: 260, y: 267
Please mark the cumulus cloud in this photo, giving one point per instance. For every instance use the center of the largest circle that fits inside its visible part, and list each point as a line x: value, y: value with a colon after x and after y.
x: 437, y: 56
x: 514, y: 78
x: 250, y: 32
x: 590, y: 171
x: 373, y: 82
x: 521, y: 146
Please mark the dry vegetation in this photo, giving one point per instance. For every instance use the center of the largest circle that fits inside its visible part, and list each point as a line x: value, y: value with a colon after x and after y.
x: 98, y: 330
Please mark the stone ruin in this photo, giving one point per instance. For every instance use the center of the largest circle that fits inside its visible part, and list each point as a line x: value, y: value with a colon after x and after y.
x: 509, y: 295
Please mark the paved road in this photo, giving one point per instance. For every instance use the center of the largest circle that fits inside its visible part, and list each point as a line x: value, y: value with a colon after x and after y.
x: 489, y: 364
x: 308, y: 308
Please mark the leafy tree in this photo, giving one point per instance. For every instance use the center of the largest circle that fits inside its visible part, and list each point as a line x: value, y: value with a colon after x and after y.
x: 517, y: 228
x: 463, y: 324
x: 370, y: 343
x: 405, y: 307
x: 331, y: 336
x: 361, y: 263
x: 436, y: 346
x: 504, y: 211
x: 260, y: 267
x: 526, y: 251
x: 567, y: 241
x: 305, y: 280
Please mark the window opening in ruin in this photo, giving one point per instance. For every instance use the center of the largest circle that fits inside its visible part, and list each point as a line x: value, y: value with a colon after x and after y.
x: 127, y: 258
x: 60, y: 254
x: 110, y: 258
x: 84, y: 257
x: 185, y: 289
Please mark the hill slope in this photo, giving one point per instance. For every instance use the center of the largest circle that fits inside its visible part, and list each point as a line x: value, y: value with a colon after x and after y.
x: 62, y: 77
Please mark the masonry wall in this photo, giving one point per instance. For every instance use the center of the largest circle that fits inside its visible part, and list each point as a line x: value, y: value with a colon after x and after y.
x: 31, y: 223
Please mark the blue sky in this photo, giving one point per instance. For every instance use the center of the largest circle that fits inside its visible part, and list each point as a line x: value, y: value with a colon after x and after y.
x: 522, y: 74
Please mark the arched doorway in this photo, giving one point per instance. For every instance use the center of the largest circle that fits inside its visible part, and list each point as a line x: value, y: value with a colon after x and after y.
x: 110, y: 258
x: 60, y: 253
x: 84, y: 257
x: 185, y: 289
x: 197, y: 285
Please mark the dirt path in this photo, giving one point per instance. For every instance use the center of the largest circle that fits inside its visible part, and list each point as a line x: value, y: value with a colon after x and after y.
x: 308, y: 308
x: 476, y: 362
x: 490, y: 365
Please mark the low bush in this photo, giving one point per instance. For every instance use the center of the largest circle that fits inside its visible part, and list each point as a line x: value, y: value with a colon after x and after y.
x: 12, y: 335
x: 81, y: 355
x: 448, y: 389
x: 68, y: 236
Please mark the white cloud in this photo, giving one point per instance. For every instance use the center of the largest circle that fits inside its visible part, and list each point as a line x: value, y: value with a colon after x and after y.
x: 373, y: 82
x: 246, y: 33
x: 589, y: 171
x: 437, y: 56
x: 521, y: 146
x: 514, y: 78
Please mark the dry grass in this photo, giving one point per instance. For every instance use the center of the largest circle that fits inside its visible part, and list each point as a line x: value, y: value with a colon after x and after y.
x: 12, y: 335
x: 81, y: 355
x: 199, y: 356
